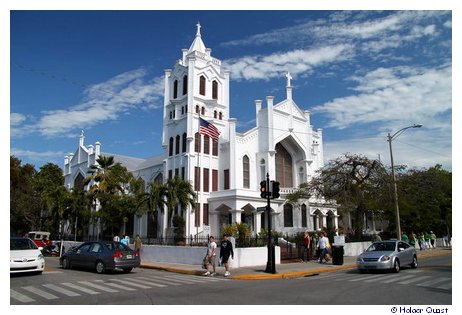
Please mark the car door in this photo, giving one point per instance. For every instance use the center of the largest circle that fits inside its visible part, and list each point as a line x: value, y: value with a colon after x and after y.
x: 80, y: 255
x: 405, y: 253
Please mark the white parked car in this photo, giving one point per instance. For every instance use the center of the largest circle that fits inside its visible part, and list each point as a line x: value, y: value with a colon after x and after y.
x: 25, y: 256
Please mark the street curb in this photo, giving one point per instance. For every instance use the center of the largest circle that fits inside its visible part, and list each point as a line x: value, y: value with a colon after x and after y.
x: 177, y: 270
x: 285, y: 275
x: 292, y: 274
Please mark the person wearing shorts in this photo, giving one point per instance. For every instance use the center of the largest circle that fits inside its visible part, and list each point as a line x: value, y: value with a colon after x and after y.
x: 226, y: 250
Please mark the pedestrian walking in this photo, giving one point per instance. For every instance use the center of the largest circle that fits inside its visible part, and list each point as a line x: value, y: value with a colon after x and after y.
x: 125, y: 240
x: 322, y: 246
x: 226, y: 250
x: 412, y: 238
x: 421, y: 240
x: 306, y: 246
x: 210, y: 257
x: 404, y: 237
x: 138, y: 244
x: 432, y: 239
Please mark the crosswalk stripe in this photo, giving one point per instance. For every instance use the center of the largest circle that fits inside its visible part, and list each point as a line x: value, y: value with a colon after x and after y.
x: 140, y: 280
x: 374, y: 278
x: 60, y: 290
x: 40, y: 292
x: 364, y: 278
x: 131, y: 283
x: 447, y: 286
x: 181, y: 281
x: 414, y: 280
x: 432, y: 282
x: 97, y: 286
x: 401, y: 278
x: 77, y: 287
x: 163, y: 280
x: 20, y: 297
x: 115, y: 285
x: 393, y: 278
x: 189, y: 279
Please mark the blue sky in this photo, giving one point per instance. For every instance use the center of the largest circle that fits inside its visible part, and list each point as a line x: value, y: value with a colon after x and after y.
x: 362, y: 74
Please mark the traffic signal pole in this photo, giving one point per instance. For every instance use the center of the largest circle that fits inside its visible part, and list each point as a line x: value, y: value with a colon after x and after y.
x: 271, y: 263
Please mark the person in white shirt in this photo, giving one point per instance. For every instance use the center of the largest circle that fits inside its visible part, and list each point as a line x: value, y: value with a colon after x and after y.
x: 322, y: 245
x: 211, y: 256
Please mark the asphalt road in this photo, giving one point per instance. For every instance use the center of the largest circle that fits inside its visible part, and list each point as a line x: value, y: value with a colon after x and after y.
x: 430, y: 284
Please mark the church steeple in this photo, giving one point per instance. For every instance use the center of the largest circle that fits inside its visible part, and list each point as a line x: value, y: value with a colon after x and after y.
x: 197, y: 44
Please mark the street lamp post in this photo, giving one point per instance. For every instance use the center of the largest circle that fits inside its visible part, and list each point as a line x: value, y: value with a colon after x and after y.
x: 390, y: 139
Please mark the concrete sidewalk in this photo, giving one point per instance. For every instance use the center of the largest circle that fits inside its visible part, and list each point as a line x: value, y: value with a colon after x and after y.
x: 283, y: 271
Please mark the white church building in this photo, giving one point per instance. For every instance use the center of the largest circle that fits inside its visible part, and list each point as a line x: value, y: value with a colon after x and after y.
x: 226, y: 170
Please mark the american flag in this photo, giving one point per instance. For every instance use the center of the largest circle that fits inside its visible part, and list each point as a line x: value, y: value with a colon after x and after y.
x: 208, y: 129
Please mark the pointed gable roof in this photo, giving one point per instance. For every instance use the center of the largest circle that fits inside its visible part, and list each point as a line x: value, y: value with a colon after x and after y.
x: 197, y: 44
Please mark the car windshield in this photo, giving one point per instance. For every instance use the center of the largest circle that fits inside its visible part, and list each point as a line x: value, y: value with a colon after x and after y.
x: 117, y: 246
x: 22, y: 244
x: 379, y: 247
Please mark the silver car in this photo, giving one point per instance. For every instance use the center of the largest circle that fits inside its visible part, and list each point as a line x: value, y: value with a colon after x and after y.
x: 384, y: 255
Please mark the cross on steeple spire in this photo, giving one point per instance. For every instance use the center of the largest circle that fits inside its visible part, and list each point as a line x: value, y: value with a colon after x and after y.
x: 198, y: 32
x: 289, y: 77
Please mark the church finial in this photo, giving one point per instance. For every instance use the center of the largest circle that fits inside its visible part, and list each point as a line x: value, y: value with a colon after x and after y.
x: 289, y: 77
x: 198, y: 32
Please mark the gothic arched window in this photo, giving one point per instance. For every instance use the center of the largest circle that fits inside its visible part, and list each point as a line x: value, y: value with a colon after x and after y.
x: 185, y: 84
x: 288, y: 215
x: 177, y: 145
x: 215, y: 90
x: 175, y: 89
x: 183, y: 148
x: 202, y: 85
x: 246, y: 171
x: 170, y: 147
x: 283, y: 166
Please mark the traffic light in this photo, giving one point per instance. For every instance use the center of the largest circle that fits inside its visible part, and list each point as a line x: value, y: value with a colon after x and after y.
x: 263, y: 191
x: 274, y: 189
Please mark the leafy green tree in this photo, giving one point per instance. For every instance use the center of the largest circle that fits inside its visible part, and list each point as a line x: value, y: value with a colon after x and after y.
x: 425, y: 199
x: 353, y: 183
x: 110, y: 186
x: 24, y: 202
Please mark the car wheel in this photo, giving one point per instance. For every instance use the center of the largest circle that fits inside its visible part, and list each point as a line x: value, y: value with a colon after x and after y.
x: 414, y: 262
x: 66, y: 263
x: 127, y: 270
x: 100, y: 267
x: 396, y: 267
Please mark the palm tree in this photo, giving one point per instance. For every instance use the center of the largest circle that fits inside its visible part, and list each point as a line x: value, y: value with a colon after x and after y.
x: 99, y: 174
x: 154, y: 199
x: 179, y: 193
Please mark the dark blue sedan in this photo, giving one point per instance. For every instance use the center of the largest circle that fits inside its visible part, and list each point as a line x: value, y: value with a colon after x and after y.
x: 101, y: 256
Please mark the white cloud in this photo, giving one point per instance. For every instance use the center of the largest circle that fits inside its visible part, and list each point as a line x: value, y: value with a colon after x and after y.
x: 296, y: 61
x: 102, y: 102
x: 394, y: 95
x: 36, y: 156
x: 17, y: 119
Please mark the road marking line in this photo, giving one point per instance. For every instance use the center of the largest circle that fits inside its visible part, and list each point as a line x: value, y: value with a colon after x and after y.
x: 364, y: 278
x: 115, y: 285
x: 40, y: 292
x: 200, y: 280
x: 414, y: 280
x: 20, y: 297
x: 162, y: 280
x: 60, y: 290
x: 433, y: 282
x: 140, y: 280
x: 374, y: 278
x: 132, y: 284
x: 394, y: 278
x: 77, y: 287
x: 97, y: 286
x: 447, y: 286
